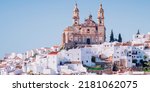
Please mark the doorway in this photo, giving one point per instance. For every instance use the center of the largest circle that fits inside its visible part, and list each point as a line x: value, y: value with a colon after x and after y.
x: 88, y: 41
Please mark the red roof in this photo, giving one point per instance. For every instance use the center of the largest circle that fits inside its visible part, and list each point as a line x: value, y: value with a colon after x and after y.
x: 138, y: 44
x: 127, y: 44
x: 53, y: 53
x: 56, y: 46
x: 147, y: 41
x: 117, y: 44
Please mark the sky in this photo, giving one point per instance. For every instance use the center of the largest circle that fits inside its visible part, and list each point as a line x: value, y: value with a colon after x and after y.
x: 30, y: 24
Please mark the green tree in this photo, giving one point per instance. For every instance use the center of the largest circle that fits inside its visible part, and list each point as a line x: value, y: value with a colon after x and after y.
x: 112, y: 36
x: 148, y: 64
x: 119, y: 38
x: 145, y: 57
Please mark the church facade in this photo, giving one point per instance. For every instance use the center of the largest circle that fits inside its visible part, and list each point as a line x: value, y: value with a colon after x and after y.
x: 87, y: 33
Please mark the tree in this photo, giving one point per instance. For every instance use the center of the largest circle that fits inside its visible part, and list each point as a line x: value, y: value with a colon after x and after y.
x: 138, y: 32
x: 111, y: 36
x: 148, y: 64
x: 119, y: 38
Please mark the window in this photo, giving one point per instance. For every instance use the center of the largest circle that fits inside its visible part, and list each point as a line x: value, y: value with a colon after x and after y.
x: 88, y: 30
x: 96, y: 28
x: 129, y: 55
x: 76, y: 23
x: 100, y: 21
x: 86, y: 61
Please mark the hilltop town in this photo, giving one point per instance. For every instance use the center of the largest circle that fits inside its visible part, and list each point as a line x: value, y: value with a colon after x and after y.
x: 83, y: 51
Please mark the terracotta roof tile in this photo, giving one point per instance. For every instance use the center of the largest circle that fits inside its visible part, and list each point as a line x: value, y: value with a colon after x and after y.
x: 138, y: 44
x: 53, y: 53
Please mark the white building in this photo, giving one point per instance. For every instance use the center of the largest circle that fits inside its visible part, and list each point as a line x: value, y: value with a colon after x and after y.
x: 140, y: 38
x: 138, y: 52
x: 53, y: 61
x: 83, y: 55
x: 69, y: 55
x: 86, y: 56
x: 72, y: 68
x: 123, y: 54
x: 55, y: 48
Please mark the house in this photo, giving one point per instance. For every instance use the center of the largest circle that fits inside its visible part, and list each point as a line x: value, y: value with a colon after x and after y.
x: 75, y: 67
x: 84, y: 55
x: 55, y: 48
x: 69, y: 55
x: 53, y: 61
x: 138, y: 52
x: 147, y: 50
x: 123, y: 54
x: 140, y: 38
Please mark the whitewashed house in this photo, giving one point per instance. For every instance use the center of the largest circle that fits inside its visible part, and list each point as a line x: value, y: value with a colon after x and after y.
x: 53, y: 61
x: 86, y: 56
x: 69, y: 55
x: 55, y: 48
x: 140, y: 38
x: 123, y: 54
x: 107, y: 49
x: 72, y: 68
x: 83, y: 55
x: 147, y: 50
x: 138, y: 52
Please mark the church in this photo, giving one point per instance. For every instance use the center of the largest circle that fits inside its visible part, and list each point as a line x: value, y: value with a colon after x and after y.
x: 87, y: 33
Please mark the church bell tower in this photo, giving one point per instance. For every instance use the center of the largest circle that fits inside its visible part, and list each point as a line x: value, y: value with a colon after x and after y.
x: 101, y: 16
x: 76, y: 17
